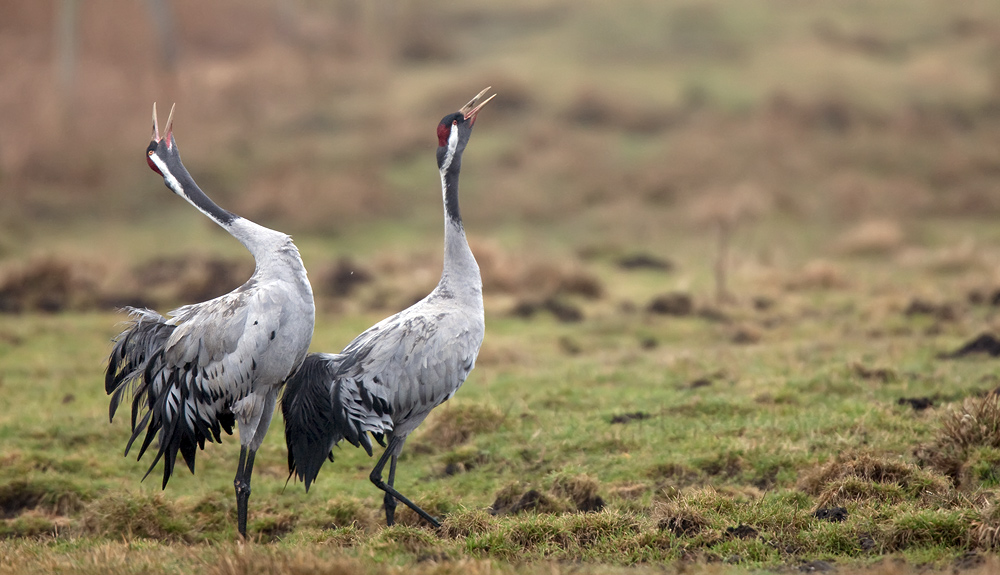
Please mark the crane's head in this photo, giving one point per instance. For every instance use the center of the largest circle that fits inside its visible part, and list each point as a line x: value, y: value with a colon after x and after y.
x: 454, y: 130
x: 161, y: 154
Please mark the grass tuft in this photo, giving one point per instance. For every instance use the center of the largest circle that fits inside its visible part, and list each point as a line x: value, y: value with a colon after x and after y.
x: 456, y: 424
x: 138, y: 516
x: 862, y: 477
x: 966, y: 443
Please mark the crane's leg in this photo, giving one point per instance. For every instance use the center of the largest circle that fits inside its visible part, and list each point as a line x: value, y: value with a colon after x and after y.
x: 390, y: 491
x: 242, y: 485
x: 390, y: 501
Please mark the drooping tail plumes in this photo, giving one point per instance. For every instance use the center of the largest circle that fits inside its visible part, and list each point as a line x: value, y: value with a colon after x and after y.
x: 321, y: 409
x: 163, y: 400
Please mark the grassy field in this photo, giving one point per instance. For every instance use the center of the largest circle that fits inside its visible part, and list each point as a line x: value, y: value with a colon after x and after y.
x: 706, y: 437
x: 837, y: 164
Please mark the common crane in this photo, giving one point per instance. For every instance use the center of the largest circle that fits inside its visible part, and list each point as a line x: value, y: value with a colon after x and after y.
x: 390, y: 377
x: 219, y: 362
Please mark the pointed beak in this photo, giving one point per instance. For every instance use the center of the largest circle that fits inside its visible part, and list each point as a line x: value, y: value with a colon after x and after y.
x: 168, y: 131
x: 471, y: 109
x: 156, y: 128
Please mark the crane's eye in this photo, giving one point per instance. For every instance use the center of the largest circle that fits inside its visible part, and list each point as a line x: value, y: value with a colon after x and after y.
x: 149, y: 153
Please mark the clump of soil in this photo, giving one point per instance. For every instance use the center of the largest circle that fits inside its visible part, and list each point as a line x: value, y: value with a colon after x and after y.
x: 343, y: 277
x: 917, y: 403
x: 742, y: 531
x: 189, y: 278
x: 48, y: 285
x: 746, y: 334
x: 831, y: 514
x: 645, y: 261
x: 984, y: 343
x: 20, y: 496
x: 630, y: 417
x: 567, y: 493
x: 882, y: 374
x: 515, y: 498
x: 943, y: 311
x: 581, y: 490
x: 673, y: 303
x: 675, y: 473
x: 563, y: 310
x: 532, y: 276
x: 680, y: 519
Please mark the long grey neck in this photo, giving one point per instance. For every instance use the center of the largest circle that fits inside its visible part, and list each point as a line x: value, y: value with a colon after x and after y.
x: 182, y: 184
x: 261, y: 242
x: 460, y: 267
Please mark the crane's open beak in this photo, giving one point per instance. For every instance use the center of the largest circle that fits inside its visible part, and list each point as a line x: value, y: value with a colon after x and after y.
x: 168, y: 129
x: 471, y: 109
x: 156, y: 129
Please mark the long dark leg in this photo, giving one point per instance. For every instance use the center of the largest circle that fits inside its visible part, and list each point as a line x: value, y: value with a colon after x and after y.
x: 242, y: 485
x: 390, y: 501
x: 390, y: 492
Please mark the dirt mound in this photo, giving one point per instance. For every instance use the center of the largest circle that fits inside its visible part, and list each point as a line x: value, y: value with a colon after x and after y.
x: 47, y: 284
x: 984, y: 343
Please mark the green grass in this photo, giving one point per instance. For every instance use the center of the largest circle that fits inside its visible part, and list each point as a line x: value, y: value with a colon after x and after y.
x: 806, y: 417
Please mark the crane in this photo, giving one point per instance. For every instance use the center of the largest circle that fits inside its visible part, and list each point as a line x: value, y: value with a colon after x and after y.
x: 390, y: 377
x: 219, y: 362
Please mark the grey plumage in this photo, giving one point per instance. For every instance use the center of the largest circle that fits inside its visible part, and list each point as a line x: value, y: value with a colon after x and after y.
x: 213, y: 364
x: 388, y: 379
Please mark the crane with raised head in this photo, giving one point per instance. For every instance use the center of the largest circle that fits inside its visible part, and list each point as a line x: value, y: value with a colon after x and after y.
x: 390, y: 377
x: 213, y: 364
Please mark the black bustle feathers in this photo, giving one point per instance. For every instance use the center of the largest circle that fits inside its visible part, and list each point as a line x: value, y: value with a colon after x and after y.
x: 137, y: 367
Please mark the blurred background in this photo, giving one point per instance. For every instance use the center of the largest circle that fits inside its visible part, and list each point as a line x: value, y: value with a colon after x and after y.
x: 726, y: 141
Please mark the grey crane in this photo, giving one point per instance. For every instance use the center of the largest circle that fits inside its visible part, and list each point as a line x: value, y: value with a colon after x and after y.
x: 218, y: 362
x: 390, y: 377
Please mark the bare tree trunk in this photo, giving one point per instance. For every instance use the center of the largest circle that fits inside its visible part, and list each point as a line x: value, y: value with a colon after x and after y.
x: 67, y: 18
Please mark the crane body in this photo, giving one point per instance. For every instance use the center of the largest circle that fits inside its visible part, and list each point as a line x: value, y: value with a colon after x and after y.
x: 388, y: 379
x: 213, y: 364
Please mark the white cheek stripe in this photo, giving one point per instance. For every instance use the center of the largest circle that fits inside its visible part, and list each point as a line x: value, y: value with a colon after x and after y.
x: 176, y: 187
x: 452, y: 145
x: 168, y: 178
